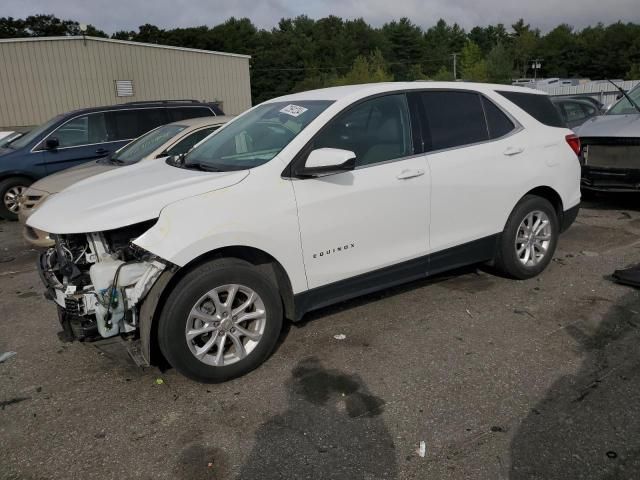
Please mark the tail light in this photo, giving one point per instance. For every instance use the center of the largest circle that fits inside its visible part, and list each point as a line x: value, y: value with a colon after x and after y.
x: 574, y: 143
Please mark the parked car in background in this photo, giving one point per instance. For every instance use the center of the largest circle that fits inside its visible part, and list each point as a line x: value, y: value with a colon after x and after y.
x: 574, y: 111
x: 610, y: 154
x: 599, y: 106
x: 81, y: 136
x: 6, y: 133
x: 171, y: 139
x: 8, y: 137
x: 304, y: 201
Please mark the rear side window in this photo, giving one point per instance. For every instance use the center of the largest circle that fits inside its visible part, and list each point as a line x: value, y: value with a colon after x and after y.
x: 183, y: 113
x: 184, y: 145
x: 499, y: 124
x: 538, y: 106
x: 128, y: 124
x: 453, y: 119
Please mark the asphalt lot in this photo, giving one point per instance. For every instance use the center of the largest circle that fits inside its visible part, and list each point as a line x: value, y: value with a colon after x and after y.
x: 500, y: 379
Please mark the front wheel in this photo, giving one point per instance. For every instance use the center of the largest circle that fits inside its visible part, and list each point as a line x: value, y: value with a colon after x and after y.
x: 221, y: 321
x: 10, y: 191
x: 529, y: 238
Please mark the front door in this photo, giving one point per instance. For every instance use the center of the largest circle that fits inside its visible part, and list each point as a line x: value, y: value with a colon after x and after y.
x: 80, y: 140
x: 376, y: 215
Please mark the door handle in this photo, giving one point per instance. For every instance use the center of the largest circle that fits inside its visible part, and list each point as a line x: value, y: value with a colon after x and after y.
x: 509, y: 151
x: 405, y: 174
x: 102, y: 151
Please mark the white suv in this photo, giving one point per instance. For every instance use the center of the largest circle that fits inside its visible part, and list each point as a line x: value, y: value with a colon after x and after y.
x: 303, y: 201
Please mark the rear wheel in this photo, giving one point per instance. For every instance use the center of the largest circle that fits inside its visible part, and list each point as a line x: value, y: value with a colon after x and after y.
x: 529, y: 238
x: 221, y: 321
x: 10, y: 191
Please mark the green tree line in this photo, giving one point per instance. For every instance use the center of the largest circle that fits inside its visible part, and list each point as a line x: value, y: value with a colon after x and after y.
x: 303, y: 53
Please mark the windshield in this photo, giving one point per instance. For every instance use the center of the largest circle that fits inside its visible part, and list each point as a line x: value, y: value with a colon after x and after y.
x: 142, y: 146
x: 27, y: 138
x: 255, y: 138
x: 624, y: 106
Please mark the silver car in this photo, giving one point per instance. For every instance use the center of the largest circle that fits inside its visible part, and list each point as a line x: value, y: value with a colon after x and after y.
x: 610, y: 145
x: 164, y: 141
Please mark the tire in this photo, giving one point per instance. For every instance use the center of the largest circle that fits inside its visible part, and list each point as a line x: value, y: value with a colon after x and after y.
x: 190, y: 307
x: 9, y: 188
x: 512, y: 258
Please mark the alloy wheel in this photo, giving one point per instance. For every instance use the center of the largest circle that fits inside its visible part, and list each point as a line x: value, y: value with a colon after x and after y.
x: 533, y: 238
x: 225, y: 325
x: 12, y: 197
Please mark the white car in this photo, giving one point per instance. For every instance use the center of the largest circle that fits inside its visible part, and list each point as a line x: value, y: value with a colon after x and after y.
x: 304, y: 201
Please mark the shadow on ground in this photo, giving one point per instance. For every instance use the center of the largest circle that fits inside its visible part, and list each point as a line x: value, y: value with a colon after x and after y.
x: 588, y: 425
x: 331, y: 429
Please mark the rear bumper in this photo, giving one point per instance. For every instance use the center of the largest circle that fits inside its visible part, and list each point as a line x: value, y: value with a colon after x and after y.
x: 568, y: 217
x: 610, y: 179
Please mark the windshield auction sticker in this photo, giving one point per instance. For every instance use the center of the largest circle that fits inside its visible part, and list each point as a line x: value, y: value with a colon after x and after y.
x: 293, y: 110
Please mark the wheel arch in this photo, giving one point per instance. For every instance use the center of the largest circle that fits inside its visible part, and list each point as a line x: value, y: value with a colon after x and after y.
x: 153, y: 304
x: 7, y: 175
x: 550, y: 194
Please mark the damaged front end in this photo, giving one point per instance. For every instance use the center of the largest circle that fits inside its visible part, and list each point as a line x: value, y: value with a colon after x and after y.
x: 98, y: 281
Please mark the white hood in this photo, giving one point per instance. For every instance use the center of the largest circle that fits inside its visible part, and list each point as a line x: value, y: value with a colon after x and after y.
x: 125, y: 196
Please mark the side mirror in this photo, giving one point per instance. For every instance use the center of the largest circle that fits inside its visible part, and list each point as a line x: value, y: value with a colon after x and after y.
x: 52, y: 143
x: 327, y: 161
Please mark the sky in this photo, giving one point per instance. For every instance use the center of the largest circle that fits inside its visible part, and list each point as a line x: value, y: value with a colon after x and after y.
x: 113, y: 15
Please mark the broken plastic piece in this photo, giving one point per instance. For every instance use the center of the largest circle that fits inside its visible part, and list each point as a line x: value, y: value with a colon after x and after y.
x: 422, y: 451
x: 159, y: 381
x: 6, y: 356
x: 340, y: 336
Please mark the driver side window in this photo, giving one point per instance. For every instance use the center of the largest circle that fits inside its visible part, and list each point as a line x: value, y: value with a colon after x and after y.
x: 376, y: 130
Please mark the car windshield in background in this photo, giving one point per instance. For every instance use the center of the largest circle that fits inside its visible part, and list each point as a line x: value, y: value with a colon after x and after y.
x: 255, y: 138
x: 147, y: 143
x: 10, y: 138
x: 624, y: 106
x: 27, y: 138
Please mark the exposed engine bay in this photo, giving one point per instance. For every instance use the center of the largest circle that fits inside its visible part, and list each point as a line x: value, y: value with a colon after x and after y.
x: 98, y: 281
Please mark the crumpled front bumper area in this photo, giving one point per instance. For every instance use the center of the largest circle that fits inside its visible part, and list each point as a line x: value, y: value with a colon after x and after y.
x: 78, y: 322
x: 102, y: 299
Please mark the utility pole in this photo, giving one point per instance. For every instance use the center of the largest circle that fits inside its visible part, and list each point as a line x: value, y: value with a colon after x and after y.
x: 536, y: 64
x: 455, y: 66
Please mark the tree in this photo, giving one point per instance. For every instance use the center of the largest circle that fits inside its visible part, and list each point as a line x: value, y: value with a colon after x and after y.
x: 472, y: 65
x: 524, y: 44
x: 43, y: 26
x: 499, y: 65
x: 634, y: 72
x: 440, y: 42
x: 370, y: 69
x: 443, y: 75
x: 404, y: 47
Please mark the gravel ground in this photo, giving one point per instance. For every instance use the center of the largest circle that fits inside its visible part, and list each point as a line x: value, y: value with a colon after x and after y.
x: 500, y: 379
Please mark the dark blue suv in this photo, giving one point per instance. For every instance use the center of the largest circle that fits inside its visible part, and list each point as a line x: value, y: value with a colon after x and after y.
x: 81, y: 136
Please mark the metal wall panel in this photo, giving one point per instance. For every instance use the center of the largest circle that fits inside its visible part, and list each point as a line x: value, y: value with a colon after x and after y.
x: 600, y: 90
x: 40, y: 78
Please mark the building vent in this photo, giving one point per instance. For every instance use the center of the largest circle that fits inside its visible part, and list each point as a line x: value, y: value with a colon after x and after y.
x: 124, y: 88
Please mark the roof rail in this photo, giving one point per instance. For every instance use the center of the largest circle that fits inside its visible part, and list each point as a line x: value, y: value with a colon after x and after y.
x: 144, y: 102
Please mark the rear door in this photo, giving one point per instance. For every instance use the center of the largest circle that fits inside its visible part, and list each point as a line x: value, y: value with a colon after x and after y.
x: 376, y: 215
x: 473, y: 151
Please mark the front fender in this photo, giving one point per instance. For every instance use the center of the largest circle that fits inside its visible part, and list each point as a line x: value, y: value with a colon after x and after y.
x: 263, y: 218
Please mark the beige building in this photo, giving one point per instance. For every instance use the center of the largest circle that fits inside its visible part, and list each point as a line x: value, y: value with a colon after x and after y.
x: 43, y: 76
